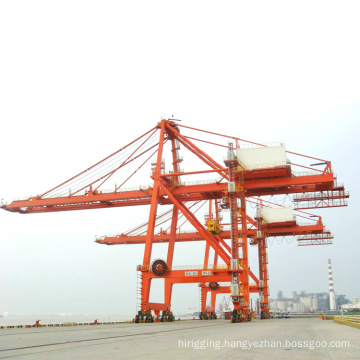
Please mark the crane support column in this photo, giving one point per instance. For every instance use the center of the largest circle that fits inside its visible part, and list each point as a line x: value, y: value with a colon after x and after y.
x: 243, y: 244
x: 263, y: 272
x: 154, y: 200
x: 239, y: 283
x: 176, y: 160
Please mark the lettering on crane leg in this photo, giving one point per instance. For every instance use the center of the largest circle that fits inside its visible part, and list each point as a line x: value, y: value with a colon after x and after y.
x: 191, y: 273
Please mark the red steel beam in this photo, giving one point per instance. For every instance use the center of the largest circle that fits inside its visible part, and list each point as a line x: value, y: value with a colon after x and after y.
x: 288, y: 185
x: 196, y: 236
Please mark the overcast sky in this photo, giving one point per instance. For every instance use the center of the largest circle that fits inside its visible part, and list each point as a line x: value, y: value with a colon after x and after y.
x: 80, y: 79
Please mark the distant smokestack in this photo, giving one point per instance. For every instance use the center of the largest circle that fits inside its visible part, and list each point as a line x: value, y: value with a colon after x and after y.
x: 331, y: 288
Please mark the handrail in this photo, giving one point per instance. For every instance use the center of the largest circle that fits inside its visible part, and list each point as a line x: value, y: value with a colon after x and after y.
x: 200, y: 182
x: 348, y: 320
x: 223, y: 267
x: 322, y: 195
x: 334, y: 203
x: 305, y: 173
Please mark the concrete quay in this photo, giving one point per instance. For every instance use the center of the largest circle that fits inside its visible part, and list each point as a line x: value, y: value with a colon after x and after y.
x: 194, y: 339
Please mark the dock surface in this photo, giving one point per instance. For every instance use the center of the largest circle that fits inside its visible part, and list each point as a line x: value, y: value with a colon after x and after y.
x: 194, y: 339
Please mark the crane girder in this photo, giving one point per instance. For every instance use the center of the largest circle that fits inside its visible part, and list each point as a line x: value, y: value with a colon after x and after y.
x: 196, y: 236
x: 288, y: 185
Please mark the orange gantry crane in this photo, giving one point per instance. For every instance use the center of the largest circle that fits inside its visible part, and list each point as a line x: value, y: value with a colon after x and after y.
x: 256, y: 237
x: 246, y: 174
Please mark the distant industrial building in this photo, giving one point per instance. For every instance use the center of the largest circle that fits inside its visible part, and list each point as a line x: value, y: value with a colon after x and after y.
x: 306, y: 302
x: 355, y: 304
